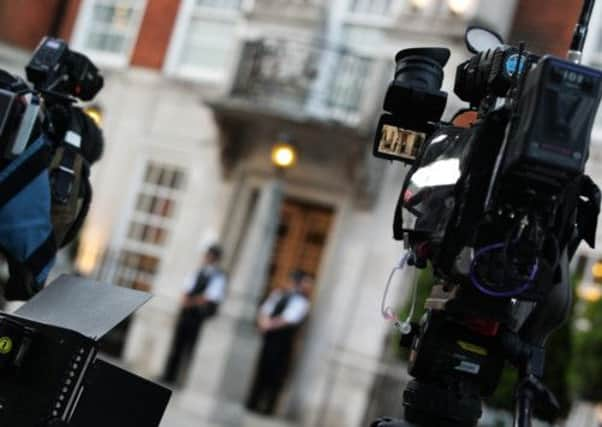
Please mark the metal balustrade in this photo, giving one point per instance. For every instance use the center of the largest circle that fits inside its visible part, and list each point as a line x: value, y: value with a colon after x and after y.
x: 299, y: 78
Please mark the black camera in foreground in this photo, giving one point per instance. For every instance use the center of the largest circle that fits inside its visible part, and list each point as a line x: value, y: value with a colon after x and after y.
x: 496, y: 201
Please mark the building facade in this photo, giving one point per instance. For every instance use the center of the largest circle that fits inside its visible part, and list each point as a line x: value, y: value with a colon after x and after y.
x: 197, y: 92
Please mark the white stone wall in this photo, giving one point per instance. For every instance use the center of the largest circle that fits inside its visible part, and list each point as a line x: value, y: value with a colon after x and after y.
x: 148, y: 117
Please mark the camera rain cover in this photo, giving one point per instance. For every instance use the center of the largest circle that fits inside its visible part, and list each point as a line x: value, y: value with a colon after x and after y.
x: 428, y: 193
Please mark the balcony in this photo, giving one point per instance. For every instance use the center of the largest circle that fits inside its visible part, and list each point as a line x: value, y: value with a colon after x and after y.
x: 306, y: 82
x: 325, y: 99
x: 297, y: 10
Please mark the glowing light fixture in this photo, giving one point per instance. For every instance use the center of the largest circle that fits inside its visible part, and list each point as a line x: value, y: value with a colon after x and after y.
x: 284, y: 155
x: 590, y: 292
x: 421, y: 4
x: 460, y: 7
x: 89, y: 252
x: 597, y: 270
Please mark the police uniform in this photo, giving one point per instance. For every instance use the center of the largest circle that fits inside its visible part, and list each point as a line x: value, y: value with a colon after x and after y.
x: 210, y: 283
x: 276, y: 352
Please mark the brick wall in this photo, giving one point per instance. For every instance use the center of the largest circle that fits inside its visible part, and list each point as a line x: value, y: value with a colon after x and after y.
x: 23, y: 23
x: 546, y: 25
x: 69, y: 19
x: 155, y: 33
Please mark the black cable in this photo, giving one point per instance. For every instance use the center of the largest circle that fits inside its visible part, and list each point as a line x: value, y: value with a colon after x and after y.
x: 580, y: 33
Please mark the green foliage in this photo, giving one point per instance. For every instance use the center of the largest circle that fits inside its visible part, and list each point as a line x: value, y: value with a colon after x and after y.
x: 423, y: 290
x: 587, y: 364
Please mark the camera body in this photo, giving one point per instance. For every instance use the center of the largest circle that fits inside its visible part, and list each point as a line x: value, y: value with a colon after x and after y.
x: 496, y: 205
x: 47, y: 146
x: 502, y: 191
x: 59, y: 76
x: 55, y: 68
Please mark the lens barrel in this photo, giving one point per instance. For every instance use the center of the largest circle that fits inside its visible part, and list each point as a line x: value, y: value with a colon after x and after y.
x: 415, y: 97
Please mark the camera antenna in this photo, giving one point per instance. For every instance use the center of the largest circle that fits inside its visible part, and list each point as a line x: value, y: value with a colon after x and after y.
x: 580, y: 34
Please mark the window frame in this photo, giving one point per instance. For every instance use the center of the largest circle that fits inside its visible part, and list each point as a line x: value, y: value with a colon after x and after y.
x: 186, y: 13
x: 82, y: 29
x: 122, y: 241
x: 374, y: 20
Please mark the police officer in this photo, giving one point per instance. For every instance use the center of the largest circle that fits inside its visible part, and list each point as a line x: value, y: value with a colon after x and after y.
x: 279, y: 320
x: 201, y: 301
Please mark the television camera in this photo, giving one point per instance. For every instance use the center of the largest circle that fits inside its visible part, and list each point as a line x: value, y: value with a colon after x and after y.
x: 49, y: 371
x: 497, y: 207
x: 46, y: 142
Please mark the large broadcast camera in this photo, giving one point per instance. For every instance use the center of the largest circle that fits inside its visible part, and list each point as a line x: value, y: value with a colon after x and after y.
x: 46, y: 141
x: 50, y: 375
x: 496, y: 201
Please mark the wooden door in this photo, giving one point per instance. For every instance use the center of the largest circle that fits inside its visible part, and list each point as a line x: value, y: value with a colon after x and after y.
x: 301, y: 238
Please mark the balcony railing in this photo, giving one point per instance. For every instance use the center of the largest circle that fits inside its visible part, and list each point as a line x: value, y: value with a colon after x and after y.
x: 312, y: 81
x: 306, y: 10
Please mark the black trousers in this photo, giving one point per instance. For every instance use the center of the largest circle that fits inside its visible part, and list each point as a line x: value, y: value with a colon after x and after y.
x: 271, y: 372
x: 184, y: 341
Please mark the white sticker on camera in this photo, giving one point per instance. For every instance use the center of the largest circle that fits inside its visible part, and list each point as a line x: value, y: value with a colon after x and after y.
x: 468, y: 367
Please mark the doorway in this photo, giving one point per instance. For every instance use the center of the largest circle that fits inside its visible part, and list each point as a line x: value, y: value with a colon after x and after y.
x: 300, y: 241
x: 301, y: 238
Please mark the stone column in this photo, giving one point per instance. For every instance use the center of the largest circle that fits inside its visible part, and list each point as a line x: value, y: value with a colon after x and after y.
x: 225, y: 359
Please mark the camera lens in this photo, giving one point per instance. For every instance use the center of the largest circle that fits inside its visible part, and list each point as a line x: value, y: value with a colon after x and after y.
x: 422, y: 68
x: 414, y: 96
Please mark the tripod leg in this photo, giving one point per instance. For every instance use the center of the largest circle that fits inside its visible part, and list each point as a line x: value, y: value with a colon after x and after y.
x: 523, y: 409
x: 547, y: 316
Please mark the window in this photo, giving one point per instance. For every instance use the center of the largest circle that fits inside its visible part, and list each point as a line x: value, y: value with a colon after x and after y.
x: 205, y: 39
x: 348, y: 84
x: 371, y: 7
x: 149, y: 226
x: 107, y: 29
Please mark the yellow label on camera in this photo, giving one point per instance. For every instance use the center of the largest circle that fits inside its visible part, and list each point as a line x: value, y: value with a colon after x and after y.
x: 472, y: 348
x: 6, y: 345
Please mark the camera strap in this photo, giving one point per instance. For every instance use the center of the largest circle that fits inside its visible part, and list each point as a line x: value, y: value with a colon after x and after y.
x: 71, y: 191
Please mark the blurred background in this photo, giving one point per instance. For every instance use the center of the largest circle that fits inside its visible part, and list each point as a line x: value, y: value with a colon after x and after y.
x: 198, y: 95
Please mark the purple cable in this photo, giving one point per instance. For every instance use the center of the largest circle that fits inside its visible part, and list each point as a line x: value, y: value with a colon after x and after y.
x: 500, y: 294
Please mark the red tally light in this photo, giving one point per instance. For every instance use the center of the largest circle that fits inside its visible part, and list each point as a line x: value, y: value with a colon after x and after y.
x: 423, y: 250
x: 485, y: 327
x: 407, y: 195
x: 78, y: 89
